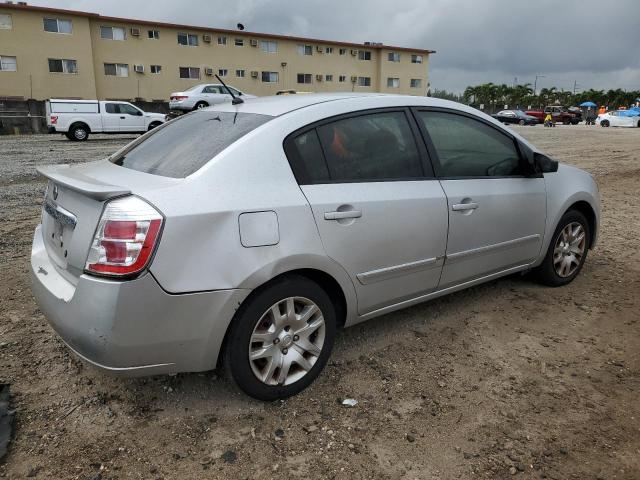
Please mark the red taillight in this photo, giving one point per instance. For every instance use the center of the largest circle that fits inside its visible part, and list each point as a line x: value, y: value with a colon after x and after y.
x: 179, y: 98
x: 54, y: 119
x: 125, y: 238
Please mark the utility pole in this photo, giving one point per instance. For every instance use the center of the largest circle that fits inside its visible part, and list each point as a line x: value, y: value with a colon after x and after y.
x: 575, y: 86
x: 535, y: 83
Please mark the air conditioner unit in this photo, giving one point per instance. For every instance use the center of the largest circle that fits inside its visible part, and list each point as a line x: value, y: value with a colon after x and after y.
x: 138, y: 68
x: 208, y: 71
x: 135, y: 32
x: 254, y: 42
x: 206, y: 38
x: 354, y: 52
x: 354, y: 79
x: 319, y: 78
x: 254, y: 74
x: 319, y: 49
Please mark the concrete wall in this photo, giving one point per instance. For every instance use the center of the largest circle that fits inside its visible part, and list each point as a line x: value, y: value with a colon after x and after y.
x: 32, y: 47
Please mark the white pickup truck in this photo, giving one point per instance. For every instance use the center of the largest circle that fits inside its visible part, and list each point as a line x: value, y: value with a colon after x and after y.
x: 78, y: 118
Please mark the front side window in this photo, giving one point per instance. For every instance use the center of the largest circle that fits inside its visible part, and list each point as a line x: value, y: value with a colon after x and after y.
x: 269, y: 46
x: 364, y: 81
x: 469, y: 148
x: 188, y: 39
x: 62, y: 65
x: 116, y: 69
x: 56, y: 25
x: 129, y: 110
x: 304, y: 78
x: 270, y: 77
x: 364, y: 55
x: 181, y: 147
x: 8, y: 64
x: 189, y: 72
x: 371, y: 147
x: 112, y: 33
x: 6, y: 23
x: 416, y: 58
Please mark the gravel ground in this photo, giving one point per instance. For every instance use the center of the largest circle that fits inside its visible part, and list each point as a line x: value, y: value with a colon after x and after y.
x: 505, y: 380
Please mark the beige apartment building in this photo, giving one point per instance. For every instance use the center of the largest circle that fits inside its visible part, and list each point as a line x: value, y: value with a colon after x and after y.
x: 53, y: 53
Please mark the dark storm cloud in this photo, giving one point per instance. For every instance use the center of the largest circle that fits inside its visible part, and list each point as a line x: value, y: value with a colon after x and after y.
x: 592, y: 42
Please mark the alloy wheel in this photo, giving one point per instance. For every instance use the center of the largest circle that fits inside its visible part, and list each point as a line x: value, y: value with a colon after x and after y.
x: 569, y: 249
x: 287, y: 341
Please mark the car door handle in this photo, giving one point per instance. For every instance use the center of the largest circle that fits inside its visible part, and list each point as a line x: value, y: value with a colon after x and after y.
x: 122, y: 118
x: 461, y: 207
x: 340, y: 215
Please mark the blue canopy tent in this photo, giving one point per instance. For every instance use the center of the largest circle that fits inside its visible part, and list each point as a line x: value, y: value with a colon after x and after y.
x: 588, y: 104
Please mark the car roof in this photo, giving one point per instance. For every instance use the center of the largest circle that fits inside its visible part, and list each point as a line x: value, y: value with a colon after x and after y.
x: 277, y: 105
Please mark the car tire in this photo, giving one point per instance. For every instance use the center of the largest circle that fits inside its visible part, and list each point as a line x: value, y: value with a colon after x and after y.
x: 563, y: 263
x: 604, y: 123
x: 154, y: 125
x: 638, y: 125
x: 290, y: 338
x: 521, y: 122
x: 78, y: 132
x: 200, y: 105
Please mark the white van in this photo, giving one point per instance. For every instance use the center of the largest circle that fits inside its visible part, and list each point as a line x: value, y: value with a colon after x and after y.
x: 78, y: 118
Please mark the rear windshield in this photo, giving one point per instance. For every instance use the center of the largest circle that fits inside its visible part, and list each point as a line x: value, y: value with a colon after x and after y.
x: 181, y: 147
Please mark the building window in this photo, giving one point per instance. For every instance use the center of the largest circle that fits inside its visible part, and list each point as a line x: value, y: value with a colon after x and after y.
x: 154, y: 34
x: 268, y: 46
x: 304, y: 78
x: 394, y: 57
x: 416, y: 82
x: 393, y: 82
x: 116, y: 69
x: 270, y: 77
x: 8, y: 64
x: 342, y: 78
x: 305, y: 50
x: 364, y: 55
x: 328, y: 50
x: 223, y: 72
x: 222, y: 40
x: 112, y: 33
x: 5, y: 22
x: 62, y: 65
x: 190, y: 72
x: 55, y: 25
x: 240, y: 73
x: 328, y: 78
x: 188, y: 39
x: 364, y: 81
x: 156, y: 69
x: 343, y: 51
x: 239, y: 42
x: 416, y: 58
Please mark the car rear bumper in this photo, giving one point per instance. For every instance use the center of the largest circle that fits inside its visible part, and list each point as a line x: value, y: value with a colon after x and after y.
x: 182, y: 105
x: 51, y: 129
x: 132, y: 327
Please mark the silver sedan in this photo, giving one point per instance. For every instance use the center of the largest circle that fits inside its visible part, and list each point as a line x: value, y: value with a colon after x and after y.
x: 248, y: 234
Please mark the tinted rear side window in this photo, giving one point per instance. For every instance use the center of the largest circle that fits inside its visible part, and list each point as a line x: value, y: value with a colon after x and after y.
x: 183, y: 146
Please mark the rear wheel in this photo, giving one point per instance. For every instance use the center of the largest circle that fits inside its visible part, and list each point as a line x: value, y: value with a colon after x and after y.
x: 281, y: 338
x: 78, y: 132
x: 604, y: 123
x: 200, y: 105
x: 567, y: 251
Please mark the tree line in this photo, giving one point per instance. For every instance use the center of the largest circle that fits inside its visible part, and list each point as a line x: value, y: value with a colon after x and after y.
x: 494, y: 96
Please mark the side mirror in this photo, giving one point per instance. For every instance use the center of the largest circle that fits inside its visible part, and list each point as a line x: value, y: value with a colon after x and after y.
x: 544, y: 164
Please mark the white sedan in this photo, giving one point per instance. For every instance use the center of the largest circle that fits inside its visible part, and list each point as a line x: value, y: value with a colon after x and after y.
x: 203, y: 95
x: 618, y: 118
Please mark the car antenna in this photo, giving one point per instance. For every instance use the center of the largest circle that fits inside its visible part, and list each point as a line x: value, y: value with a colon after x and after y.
x: 236, y: 100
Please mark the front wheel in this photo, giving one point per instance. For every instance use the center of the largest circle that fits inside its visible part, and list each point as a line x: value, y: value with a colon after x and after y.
x: 604, y: 123
x: 281, y: 338
x: 567, y: 251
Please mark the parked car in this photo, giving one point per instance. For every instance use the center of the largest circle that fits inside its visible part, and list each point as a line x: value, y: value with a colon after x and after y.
x: 203, y: 95
x: 558, y: 113
x: 76, y: 119
x: 249, y: 234
x: 618, y: 118
x: 515, y: 116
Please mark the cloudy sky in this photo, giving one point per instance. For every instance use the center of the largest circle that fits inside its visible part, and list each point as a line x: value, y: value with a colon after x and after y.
x: 593, y: 42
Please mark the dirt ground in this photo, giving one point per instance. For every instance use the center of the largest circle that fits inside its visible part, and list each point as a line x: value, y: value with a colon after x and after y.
x: 505, y: 380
